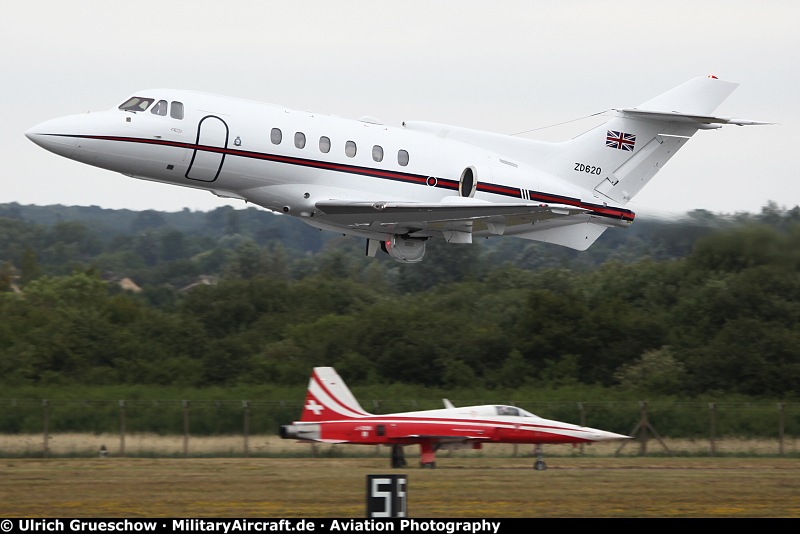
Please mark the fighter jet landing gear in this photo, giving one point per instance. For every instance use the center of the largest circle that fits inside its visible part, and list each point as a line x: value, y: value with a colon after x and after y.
x: 539, y: 464
x: 398, y: 457
x: 427, y: 458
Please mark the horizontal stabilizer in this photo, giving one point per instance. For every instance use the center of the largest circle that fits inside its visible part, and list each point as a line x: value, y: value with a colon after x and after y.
x: 698, y: 96
x: 686, y: 117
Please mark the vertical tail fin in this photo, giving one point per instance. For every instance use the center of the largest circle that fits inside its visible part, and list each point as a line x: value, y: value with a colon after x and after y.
x: 328, y: 398
x: 614, y: 161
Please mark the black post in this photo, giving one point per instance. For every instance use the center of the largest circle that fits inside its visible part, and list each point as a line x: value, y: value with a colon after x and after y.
x: 46, y: 429
x: 781, y: 421
x: 185, y: 427
x: 246, y: 406
x: 713, y: 407
x: 122, y: 428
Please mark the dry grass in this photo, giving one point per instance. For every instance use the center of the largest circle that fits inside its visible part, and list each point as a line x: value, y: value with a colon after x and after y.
x: 468, y: 487
x: 152, y: 445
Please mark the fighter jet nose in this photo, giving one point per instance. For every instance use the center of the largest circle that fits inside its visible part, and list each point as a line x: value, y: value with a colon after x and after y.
x: 602, y: 435
x: 612, y: 436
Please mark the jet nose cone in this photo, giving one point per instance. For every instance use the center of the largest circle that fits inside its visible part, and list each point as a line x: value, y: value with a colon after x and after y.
x: 34, y: 134
x: 54, y: 135
x: 602, y: 435
x: 609, y: 436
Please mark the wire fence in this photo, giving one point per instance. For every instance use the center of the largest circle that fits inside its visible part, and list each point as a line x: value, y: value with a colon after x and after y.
x: 30, y: 427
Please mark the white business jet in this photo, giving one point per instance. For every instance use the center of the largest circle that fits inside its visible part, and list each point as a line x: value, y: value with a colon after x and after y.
x: 397, y: 187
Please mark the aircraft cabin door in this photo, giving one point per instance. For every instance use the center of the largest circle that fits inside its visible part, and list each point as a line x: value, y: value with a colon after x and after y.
x: 209, y: 150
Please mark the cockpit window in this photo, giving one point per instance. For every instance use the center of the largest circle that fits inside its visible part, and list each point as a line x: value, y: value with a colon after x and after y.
x: 160, y: 108
x: 176, y: 111
x: 507, y: 410
x: 136, y: 103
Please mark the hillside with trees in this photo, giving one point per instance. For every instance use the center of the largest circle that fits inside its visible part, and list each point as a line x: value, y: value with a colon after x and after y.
x: 708, y: 304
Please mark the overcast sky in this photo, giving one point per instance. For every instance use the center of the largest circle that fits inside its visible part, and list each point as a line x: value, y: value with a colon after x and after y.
x: 502, y: 66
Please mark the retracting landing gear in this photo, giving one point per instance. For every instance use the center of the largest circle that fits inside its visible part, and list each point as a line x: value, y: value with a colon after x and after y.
x: 427, y: 455
x: 398, y: 457
x: 539, y: 464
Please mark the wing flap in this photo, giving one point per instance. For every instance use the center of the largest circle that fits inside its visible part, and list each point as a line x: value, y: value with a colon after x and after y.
x: 574, y: 236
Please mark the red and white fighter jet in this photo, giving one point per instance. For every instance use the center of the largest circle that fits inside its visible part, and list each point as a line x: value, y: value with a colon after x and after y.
x: 332, y: 414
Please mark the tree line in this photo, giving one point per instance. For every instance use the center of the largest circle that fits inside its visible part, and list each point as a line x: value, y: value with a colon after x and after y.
x: 702, y: 306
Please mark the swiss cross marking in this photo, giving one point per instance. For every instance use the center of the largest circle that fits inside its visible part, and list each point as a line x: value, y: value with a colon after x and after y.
x: 314, y: 407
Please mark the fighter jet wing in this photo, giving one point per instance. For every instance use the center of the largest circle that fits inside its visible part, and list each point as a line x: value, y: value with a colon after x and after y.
x: 440, y: 438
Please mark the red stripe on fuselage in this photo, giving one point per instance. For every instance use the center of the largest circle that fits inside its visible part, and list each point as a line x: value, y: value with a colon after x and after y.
x: 443, y: 183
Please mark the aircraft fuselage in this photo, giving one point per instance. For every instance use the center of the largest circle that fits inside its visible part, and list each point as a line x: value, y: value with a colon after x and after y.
x: 287, y: 160
x: 396, y: 186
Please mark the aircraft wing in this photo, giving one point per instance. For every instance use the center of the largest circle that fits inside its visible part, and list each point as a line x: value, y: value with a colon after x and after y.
x: 440, y: 438
x: 416, y: 213
x: 455, y: 221
x: 458, y: 219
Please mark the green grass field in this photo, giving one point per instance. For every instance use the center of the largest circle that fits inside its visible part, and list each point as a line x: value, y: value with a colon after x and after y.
x: 458, y: 488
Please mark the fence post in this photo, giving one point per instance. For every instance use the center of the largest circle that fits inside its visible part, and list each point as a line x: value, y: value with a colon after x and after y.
x: 713, y: 430
x: 185, y: 404
x: 781, y: 428
x: 46, y: 427
x: 122, y: 428
x: 515, y: 446
x: 645, y: 424
x: 582, y: 420
x: 246, y: 407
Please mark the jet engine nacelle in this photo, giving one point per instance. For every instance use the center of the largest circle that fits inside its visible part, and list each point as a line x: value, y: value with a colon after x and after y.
x: 404, y: 249
x: 468, y: 182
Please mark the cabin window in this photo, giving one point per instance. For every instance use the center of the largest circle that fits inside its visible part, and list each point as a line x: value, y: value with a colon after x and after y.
x: 136, y: 103
x: 350, y: 149
x: 276, y: 136
x: 377, y: 153
x: 402, y: 157
x: 160, y: 108
x: 300, y: 140
x: 324, y: 144
x: 176, y: 110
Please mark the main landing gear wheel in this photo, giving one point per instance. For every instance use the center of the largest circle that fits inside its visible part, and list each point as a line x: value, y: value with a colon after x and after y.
x: 398, y: 457
x: 539, y: 464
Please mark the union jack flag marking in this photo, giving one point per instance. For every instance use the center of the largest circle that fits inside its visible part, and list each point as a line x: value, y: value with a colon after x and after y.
x: 620, y: 140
